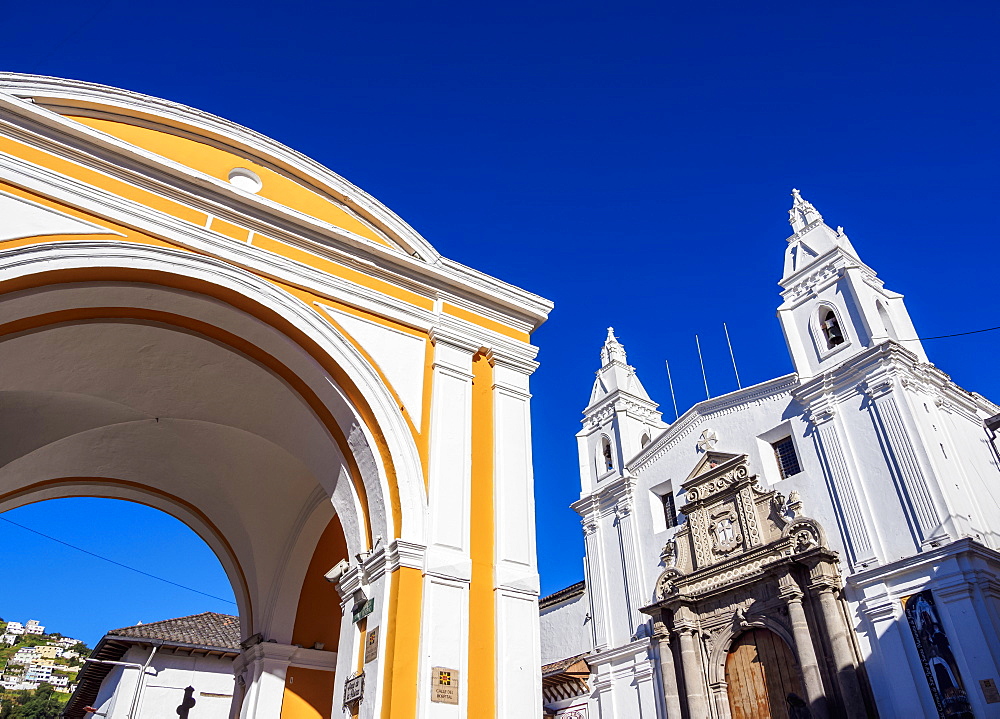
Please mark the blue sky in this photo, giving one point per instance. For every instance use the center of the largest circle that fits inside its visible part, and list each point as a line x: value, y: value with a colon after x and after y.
x: 631, y: 162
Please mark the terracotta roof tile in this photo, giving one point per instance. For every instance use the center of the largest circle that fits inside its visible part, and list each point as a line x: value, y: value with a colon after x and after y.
x: 207, y: 629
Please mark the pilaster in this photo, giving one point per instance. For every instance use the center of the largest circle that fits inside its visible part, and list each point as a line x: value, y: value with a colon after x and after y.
x: 917, y: 501
x: 261, y: 668
x: 593, y: 566
x: 448, y: 564
x: 850, y: 504
x: 668, y: 672
x: 635, y: 592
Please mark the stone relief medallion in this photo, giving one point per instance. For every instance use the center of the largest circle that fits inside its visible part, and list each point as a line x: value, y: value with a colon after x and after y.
x: 725, y: 531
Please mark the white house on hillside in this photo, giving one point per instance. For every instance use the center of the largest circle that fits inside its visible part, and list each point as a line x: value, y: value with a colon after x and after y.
x: 822, y: 544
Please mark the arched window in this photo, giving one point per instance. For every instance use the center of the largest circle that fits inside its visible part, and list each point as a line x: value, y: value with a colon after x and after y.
x: 645, y: 439
x: 605, y: 457
x: 830, y: 325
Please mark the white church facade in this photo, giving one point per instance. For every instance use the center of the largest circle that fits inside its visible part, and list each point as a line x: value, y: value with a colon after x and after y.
x: 822, y: 544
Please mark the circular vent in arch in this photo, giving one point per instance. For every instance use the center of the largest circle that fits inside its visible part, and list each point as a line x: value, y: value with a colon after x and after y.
x: 245, y: 179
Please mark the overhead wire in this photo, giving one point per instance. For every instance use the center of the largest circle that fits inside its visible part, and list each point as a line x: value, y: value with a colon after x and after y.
x: 958, y: 334
x: 112, y: 561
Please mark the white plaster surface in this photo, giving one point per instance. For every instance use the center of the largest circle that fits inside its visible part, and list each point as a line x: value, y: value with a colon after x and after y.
x: 399, y: 355
x: 23, y: 218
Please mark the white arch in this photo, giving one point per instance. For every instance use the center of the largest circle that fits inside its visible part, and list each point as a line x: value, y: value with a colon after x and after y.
x: 81, y: 255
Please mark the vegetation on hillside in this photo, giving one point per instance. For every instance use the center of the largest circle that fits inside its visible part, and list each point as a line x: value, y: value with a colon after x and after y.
x: 44, y: 702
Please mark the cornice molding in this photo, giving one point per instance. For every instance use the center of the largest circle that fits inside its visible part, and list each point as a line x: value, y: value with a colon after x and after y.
x: 196, y: 188
x: 705, y: 411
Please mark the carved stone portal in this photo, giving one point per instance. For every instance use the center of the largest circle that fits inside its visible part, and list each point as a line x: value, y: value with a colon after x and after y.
x: 747, y: 567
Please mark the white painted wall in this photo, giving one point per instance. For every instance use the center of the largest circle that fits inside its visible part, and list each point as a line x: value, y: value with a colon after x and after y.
x: 566, y: 629
x: 170, y: 675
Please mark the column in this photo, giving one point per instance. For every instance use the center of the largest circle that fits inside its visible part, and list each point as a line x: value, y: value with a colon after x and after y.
x: 804, y: 650
x: 691, y: 664
x: 840, y: 645
x: 668, y: 673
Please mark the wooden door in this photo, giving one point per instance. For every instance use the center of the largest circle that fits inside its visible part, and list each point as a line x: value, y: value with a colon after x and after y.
x: 760, y: 673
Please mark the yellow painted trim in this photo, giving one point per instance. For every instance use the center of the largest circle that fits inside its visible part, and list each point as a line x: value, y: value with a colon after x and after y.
x: 97, y: 179
x: 188, y: 214
x: 129, y: 234
x: 484, y: 322
x: 229, y: 229
x: 402, y: 644
x: 217, y: 162
x: 337, y: 270
x: 482, y: 623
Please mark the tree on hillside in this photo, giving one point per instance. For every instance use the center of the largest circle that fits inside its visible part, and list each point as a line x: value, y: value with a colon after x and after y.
x: 43, y: 703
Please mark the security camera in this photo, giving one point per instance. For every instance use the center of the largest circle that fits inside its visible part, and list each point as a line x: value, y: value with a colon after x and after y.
x: 335, y: 574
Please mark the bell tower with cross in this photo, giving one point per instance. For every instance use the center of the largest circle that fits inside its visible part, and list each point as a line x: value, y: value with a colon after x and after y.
x: 835, y: 306
x: 619, y: 419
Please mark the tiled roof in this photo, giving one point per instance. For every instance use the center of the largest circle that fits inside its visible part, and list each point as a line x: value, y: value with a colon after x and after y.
x: 570, y: 592
x: 564, y: 664
x: 207, y: 629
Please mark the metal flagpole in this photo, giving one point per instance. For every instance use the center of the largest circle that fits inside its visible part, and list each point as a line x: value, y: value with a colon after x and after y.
x: 732, y: 356
x: 672, y: 395
x: 703, y: 376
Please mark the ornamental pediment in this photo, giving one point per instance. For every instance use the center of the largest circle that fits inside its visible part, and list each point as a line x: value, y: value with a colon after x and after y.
x: 710, y: 461
x: 733, y: 528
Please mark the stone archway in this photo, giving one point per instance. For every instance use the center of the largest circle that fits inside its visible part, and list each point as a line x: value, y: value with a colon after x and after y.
x: 761, y: 677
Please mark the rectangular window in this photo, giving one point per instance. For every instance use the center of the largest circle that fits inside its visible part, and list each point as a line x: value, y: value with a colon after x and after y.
x: 788, y: 462
x: 669, y: 512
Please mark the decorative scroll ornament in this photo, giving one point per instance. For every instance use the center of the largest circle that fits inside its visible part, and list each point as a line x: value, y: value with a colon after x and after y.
x: 666, y: 583
x: 718, y: 484
x: 805, y: 534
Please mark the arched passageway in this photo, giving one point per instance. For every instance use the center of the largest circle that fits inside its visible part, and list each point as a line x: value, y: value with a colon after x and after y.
x: 175, y: 399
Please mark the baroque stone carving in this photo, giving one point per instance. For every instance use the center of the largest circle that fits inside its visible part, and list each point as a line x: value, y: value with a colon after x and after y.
x: 668, y: 555
x: 724, y: 528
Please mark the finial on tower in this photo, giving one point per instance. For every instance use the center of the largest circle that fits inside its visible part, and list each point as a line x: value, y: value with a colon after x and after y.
x: 612, y: 349
x: 802, y: 213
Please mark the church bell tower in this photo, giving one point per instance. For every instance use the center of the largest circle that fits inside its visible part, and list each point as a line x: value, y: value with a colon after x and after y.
x: 835, y: 306
x: 619, y: 419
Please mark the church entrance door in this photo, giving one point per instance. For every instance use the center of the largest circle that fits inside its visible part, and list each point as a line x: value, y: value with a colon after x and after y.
x: 761, y: 673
